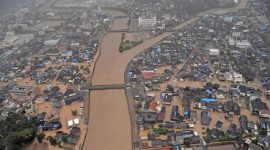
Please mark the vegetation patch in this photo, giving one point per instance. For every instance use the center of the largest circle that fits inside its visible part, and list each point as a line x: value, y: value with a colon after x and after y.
x: 226, y: 139
x: 74, y: 112
x: 126, y: 44
x: 16, y: 130
x: 160, y: 130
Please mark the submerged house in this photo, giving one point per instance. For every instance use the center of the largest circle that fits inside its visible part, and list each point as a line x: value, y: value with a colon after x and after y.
x: 161, y: 115
x: 243, y: 123
x: 135, y: 92
x: 256, y: 106
x: 205, y: 118
x: 167, y: 99
x: 70, y: 99
x: 231, y: 131
x: 175, y: 116
x: 149, y: 117
x: 24, y: 94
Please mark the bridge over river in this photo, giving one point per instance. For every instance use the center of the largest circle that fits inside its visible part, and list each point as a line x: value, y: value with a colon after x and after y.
x: 110, y: 87
x: 106, y: 87
x: 140, y: 31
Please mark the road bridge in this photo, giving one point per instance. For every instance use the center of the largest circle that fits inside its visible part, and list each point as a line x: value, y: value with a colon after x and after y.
x: 119, y: 17
x: 105, y: 87
x: 139, y: 31
x: 118, y: 30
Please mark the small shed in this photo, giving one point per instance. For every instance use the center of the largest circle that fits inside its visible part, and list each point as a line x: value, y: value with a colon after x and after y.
x: 76, y: 121
x: 70, y: 123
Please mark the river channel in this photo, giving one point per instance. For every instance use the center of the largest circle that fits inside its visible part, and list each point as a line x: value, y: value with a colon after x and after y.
x: 109, y: 122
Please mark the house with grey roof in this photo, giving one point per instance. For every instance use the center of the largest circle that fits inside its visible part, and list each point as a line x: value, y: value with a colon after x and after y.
x: 205, y: 118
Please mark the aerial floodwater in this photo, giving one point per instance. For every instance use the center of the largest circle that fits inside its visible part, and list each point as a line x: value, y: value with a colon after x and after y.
x: 134, y: 74
x: 109, y: 123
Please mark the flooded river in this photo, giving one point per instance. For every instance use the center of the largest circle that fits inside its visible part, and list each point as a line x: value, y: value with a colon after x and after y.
x: 109, y: 123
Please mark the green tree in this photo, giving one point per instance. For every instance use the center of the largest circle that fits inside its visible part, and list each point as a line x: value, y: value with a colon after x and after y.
x: 74, y: 112
x: 52, y: 140
x: 16, y: 130
x: 216, y: 86
x: 160, y: 130
x: 263, y: 132
x: 187, y: 143
x: 40, y: 137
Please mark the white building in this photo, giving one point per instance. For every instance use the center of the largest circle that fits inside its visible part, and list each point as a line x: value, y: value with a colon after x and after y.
x: 243, y: 44
x: 75, y: 44
x: 228, y: 19
x: 51, y: 42
x: 231, y: 41
x: 7, y: 54
x: 237, y: 77
x: 264, y: 113
x: 213, y: 52
x: 11, y: 33
x: 228, y: 76
x: 13, y: 26
x: 17, y: 40
x: 147, y: 23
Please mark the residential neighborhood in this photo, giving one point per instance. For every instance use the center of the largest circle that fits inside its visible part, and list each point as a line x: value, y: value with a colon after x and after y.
x: 210, y: 86
x: 134, y: 75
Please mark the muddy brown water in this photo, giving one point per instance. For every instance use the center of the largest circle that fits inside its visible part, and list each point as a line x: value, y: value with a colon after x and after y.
x: 109, y: 123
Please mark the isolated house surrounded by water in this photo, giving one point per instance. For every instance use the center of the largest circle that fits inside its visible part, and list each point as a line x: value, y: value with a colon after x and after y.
x: 70, y: 99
